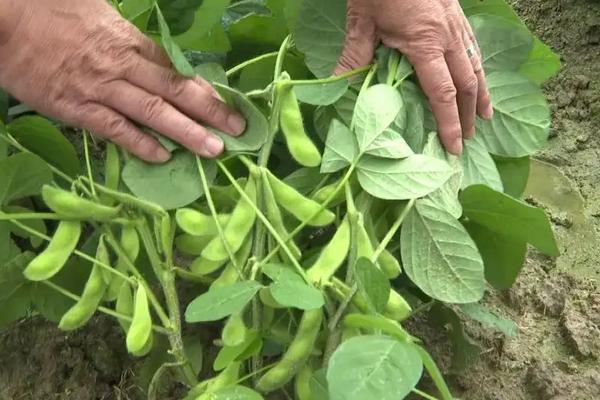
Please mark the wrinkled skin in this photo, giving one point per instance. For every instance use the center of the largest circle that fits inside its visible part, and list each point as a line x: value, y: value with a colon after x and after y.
x: 435, y: 36
x: 78, y: 61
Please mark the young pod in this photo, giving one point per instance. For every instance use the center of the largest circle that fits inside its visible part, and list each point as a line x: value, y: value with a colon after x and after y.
x: 389, y: 264
x: 332, y: 256
x: 196, y: 223
x: 300, y: 146
x: 301, y: 207
x: 70, y: 205
x: 192, y: 245
x: 296, y: 355
x: 84, y: 309
x: 302, y: 383
x: 237, y: 229
x: 50, y: 261
x: 112, y: 172
x: 230, y: 273
x: 202, y: 266
x: 140, y: 329
x: 234, y: 331
x: 125, y: 306
x: 130, y: 246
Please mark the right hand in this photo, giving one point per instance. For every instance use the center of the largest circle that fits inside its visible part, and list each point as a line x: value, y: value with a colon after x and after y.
x: 80, y: 62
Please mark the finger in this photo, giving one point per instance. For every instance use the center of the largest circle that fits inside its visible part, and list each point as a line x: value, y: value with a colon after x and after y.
x: 105, y: 122
x: 151, y: 51
x: 153, y: 111
x: 437, y: 84
x: 188, y: 95
x: 484, y: 104
x: 466, y: 84
x: 359, y: 46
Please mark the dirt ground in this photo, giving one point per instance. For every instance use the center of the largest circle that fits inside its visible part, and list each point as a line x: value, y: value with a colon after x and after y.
x: 555, y: 303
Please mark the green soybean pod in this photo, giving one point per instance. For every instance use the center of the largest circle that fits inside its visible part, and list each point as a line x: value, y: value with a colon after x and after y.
x: 90, y: 299
x: 146, y: 348
x: 50, y: 261
x: 229, y: 376
x: 234, y: 331
x: 192, y: 245
x: 299, y: 144
x: 112, y: 172
x: 141, y: 323
x: 267, y: 298
x: 70, y: 205
x: 130, y: 244
x: 296, y: 355
x: 332, y: 256
x: 230, y: 274
x: 302, y: 383
x: 202, y: 266
x: 389, y: 264
x: 397, y: 307
x: 196, y: 223
x: 237, y: 229
x: 275, y: 217
x: 301, y: 207
x: 103, y: 256
x: 125, y: 306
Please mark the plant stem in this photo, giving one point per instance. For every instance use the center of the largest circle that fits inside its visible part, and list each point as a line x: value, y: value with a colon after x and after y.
x: 88, y: 162
x: 166, y: 277
x: 54, y: 217
x: 435, y: 374
x: 104, y: 310
x: 393, y: 230
x: 424, y: 395
x: 331, y: 79
x: 254, y: 60
x: 281, y: 57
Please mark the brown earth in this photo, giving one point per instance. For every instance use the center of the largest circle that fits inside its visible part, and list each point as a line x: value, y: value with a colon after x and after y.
x: 555, y: 303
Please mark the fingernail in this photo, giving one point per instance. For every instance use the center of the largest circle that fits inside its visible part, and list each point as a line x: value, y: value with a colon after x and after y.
x: 213, y: 145
x: 236, y: 124
x: 488, y: 113
x: 456, y: 147
x: 162, y: 155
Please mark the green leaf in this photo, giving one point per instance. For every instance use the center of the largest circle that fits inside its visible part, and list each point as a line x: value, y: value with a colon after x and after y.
x: 179, y: 61
x: 321, y: 94
x: 345, y: 106
x: 8, y: 249
x: 440, y: 257
x: 376, y: 109
x: 341, y: 148
x: 221, y: 302
x: 373, y: 284
x: 446, y: 197
x: 23, y: 175
x: 212, y: 73
x: 207, y: 18
x: 37, y: 224
x: 259, y: 75
x: 504, y: 45
x: 233, y: 393
x: 510, y: 217
x: 318, y: 385
x: 228, y: 354
x: 390, y: 144
x: 521, y: 121
x: 257, y: 127
x: 11, y: 275
x: 135, y: 9
x: 413, y: 177
x: 542, y: 63
x: 503, y: 256
x: 319, y: 33
x: 16, y: 306
x: 478, y: 165
x: 487, y: 317
x: 41, y: 137
x: 171, y: 185
x: 179, y: 14
x: 514, y: 173
x: 194, y: 352
x: 290, y: 290
x: 373, y: 368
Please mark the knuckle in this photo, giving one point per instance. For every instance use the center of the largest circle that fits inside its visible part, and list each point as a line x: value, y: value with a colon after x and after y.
x: 152, y: 107
x: 114, y: 127
x: 189, y: 132
x: 176, y: 85
x: 469, y: 86
x: 215, y: 110
x: 445, y: 92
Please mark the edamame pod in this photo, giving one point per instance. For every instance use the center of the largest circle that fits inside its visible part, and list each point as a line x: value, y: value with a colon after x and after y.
x: 125, y: 306
x: 196, y: 223
x: 302, y: 383
x: 389, y: 264
x: 202, y: 266
x: 103, y: 256
x: 112, y: 172
x: 70, y: 205
x: 300, y: 146
x: 276, y: 219
x: 234, y: 331
x: 302, y: 208
x: 267, y: 298
x: 84, y: 309
x: 50, y: 261
x: 237, y: 229
x: 296, y: 355
x: 192, y: 245
x: 230, y: 274
x: 332, y: 256
x: 130, y: 245
x: 141, y: 324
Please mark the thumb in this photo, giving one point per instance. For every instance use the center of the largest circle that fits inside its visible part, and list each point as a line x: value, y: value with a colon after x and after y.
x: 359, y: 47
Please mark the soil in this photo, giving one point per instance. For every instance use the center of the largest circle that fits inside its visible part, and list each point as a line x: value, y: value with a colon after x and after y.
x: 555, y: 303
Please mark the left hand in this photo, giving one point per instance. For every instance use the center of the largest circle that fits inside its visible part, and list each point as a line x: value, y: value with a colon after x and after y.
x: 437, y: 39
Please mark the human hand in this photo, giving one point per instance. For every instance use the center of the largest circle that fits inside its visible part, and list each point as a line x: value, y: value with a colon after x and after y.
x: 438, y: 41
x: 78, y: 61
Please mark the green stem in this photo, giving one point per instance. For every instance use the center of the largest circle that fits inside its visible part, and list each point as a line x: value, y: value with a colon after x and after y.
x: 393, y: 230
x: 245, y: 64
x: 435, y: 374
x: 88, y: 163
x: 166, y: 277
x: 281, y: 57
x: 104, y: 310
x: 424, y: 395
x: 76, y: 252
x: 54, y: 217
x: 364, y: 87
x: 331, y: 79
x: 130, y: 200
